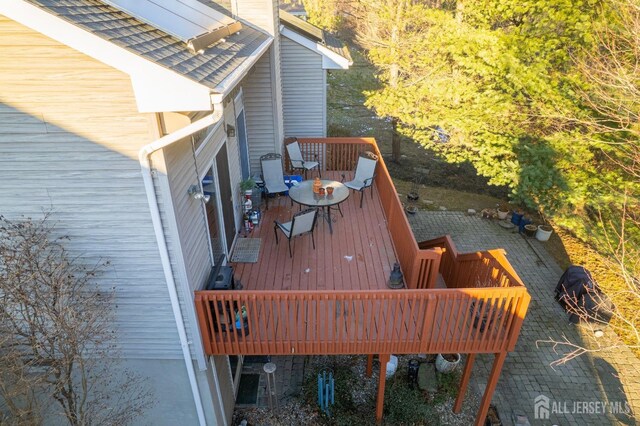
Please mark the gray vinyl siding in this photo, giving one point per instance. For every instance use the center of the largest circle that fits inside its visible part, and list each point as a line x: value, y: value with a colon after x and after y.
x: 259, y: 111
x: 225, y: 380
x: 185, y: 295
x: 189, y: 213
x: 233, y: 152
x: 69, y: 137
x: 303, y: 91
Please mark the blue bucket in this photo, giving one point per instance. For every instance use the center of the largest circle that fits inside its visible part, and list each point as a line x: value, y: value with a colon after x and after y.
x: 516, y: 217
x: 523, y: 221
x: 289, y: 179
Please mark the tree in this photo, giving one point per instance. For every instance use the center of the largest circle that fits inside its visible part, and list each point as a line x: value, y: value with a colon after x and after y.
x: 56, y: 344
x: 539, y: 95
x: 496, y: 86
x: 323, y: 13
x: 382, y: 27
x: 613, y: 93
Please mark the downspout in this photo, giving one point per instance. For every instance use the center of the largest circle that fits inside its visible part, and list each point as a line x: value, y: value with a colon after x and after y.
x: 144, y: 156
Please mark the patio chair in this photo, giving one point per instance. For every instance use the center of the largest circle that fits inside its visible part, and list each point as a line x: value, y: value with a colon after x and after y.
x: 364, y: 175
x: 297, y: 161
x: 272, y: 175
x: 301, y: 223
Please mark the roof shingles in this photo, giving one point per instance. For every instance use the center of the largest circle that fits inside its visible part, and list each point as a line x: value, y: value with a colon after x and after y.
x: 209, y: 68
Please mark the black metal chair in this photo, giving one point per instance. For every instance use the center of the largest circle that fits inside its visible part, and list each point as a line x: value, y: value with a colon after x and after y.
x: 272, y: 175
x: 298, y: 162
x: 302, y: 222
x: 364, y: 175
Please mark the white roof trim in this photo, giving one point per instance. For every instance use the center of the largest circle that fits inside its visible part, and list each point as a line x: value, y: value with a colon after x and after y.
x: 330, y: 59
x: 230, y: 82
x: 156, y: 88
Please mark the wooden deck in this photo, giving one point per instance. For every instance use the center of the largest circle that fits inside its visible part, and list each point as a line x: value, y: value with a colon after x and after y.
x: 334, y: 299
x: 358, y: 255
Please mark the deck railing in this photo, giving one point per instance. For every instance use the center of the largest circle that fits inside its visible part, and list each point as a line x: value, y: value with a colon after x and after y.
x: 359, y: 322
x: 480, y: 311
x: 483, y: 269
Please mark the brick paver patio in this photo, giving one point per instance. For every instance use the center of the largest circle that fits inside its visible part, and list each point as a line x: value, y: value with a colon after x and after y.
x: 612, y: 379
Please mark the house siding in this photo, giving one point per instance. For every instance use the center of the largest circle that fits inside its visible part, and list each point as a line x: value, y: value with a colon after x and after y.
x: 181, y: 174
x: 259, y: 107
x: 69, y: 140
x: 233, y: 152
x: 303, y: 91
x: 225, y: 379
x: 183, y: 166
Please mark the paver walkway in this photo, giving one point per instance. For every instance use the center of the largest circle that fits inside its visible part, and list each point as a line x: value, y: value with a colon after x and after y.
x: 289, y: 376
x: 576, y: 391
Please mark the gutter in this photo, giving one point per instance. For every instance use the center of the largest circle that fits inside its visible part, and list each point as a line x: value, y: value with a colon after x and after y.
x: 229, y: 83
x: 144, y: 156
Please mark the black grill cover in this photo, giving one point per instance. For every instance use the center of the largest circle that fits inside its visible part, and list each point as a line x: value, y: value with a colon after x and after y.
x: 577, y: 292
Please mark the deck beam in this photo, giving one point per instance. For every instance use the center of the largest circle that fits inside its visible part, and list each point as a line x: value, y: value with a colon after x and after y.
x: 464, y: 382
x: 384, y: 359
x: 496, y: 369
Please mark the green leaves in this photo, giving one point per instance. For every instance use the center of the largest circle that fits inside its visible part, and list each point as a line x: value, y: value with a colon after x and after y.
x: 502, y: 80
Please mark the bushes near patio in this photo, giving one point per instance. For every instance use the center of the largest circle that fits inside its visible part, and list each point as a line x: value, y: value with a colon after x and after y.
x: 404, y: 405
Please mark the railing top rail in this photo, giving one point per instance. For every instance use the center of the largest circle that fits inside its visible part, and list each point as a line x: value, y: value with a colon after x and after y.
x: 500, y: 256
x: 400, y: 293
x: 444, y: 240
x: 292, y: 293
x: 339, y: 140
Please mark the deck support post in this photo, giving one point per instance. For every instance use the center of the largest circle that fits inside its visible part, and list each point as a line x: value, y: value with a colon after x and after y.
x: 496, y: 369
x: 369, y: 370
x: 384, y: 358
x: 464, y: 382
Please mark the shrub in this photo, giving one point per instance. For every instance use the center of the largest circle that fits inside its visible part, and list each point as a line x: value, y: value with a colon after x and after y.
x: 405, y: 405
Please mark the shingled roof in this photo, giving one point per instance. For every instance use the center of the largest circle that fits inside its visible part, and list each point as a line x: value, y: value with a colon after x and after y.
x: 208, y: 68
x: 314, y: 33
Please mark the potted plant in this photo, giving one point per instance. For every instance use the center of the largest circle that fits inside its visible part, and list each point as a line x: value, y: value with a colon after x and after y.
x: 411, y: 209
x: 446, y: 363
x: 543, y: 233
x: 530, y: 230
x: 247, y: 185
x: 503, y: 211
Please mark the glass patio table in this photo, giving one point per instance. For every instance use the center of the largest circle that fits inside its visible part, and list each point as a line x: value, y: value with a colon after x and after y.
x: 303, y: 194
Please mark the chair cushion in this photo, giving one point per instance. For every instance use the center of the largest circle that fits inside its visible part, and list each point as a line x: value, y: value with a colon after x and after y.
x: 310, y: 164
x: 274, y: 188
x: 286, y: 228
x: 355, y: 184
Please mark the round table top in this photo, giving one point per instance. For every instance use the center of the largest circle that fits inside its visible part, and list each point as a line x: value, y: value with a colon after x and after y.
x: 303, y: 193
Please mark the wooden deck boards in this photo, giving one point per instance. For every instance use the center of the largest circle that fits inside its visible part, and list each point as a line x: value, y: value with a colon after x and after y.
x: 362, y: 235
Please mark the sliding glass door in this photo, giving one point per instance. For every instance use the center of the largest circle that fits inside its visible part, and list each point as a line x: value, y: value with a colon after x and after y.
x: 219, y: 209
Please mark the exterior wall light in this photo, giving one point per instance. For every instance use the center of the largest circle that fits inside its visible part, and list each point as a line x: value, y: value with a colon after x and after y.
x: 196, y: 194
x: 231, y: 131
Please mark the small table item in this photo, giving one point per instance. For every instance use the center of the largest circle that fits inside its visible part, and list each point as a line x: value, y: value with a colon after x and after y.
x: 303, y: 194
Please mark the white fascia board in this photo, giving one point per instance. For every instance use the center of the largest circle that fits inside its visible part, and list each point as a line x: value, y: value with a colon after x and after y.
x: 230, y: 81
x: 330, y: 59
x: 156, y: 88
